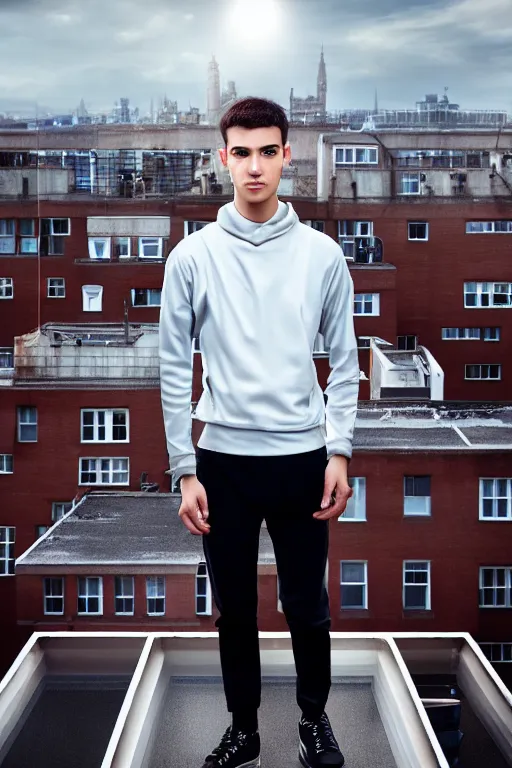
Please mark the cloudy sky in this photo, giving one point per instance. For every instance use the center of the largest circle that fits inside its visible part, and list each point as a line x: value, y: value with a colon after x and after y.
x: 55, y: 52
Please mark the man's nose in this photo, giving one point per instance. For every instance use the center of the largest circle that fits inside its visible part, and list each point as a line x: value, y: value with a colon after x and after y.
x: 255, y: 165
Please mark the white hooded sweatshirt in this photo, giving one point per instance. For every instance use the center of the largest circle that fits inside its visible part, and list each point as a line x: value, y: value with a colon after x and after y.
x: 257, y: 295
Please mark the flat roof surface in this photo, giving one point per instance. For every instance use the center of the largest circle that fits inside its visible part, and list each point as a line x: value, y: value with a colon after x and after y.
x: 136, y: 528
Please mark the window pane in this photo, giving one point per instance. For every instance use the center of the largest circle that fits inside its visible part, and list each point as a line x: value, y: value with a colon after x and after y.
x: 352, y: 596
x: 352, y: 572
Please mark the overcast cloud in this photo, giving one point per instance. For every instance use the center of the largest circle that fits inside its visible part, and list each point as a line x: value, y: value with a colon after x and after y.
x: 55, y: 52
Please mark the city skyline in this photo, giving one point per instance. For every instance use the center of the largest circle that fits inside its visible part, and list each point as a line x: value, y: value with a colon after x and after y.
x: 55, y: 53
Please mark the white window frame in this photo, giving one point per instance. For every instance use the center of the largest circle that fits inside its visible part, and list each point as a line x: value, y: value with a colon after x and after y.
x: 6, y: 464
x: 407, y: 348
x: 93, y: 254
x: 193, y: 226
x: 363, y: 584
x: 96, y: 468
x: 121, y: 583
x: 491, y: 290
x: 24, y: 423
x: 115, y: 245
x: 411, y: 508
x: 484, y: 368
x: 365, y: 298
x: 369, y: 151
x: 506, y: 587
x: 142, y: 243
x: 7, y: 537
x: 149, y: 292
x: 56, y: 287
x: 495, y: 498
x: 406, y: 179
x: 92, y: 298
x: 317, y: 224
x: 156, y: 584
x: 50, y: 581
x: 405, y: 584
x: 355, y: 511
x: 29, y: 245
x: 6, y: 288
x: 59, y: 509
x: 461, y: 334
x: 7, y: 356
x: 203, y: 577
x: 52, y: 221
x: 107, y: 415
x: 492, y: 330
x: 489, y: 227
x: 497, y: 653
x: 84, y: 581
x: 41, y: 530
x: 8, y: 239
x: 416, y: 224
x: 32, y: 233
x: 362, y: 230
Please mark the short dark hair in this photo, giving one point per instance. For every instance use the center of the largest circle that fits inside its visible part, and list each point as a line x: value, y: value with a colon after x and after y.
x: 253, y: 112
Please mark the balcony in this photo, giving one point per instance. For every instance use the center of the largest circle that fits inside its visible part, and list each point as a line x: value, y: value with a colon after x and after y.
x: 156, y: 699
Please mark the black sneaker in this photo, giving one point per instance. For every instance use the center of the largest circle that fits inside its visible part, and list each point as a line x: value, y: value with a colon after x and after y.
x: 317, y: 745
x: 237, y: 749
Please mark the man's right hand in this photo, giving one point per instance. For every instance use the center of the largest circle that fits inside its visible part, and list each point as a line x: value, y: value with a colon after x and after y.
x: 194, y: 505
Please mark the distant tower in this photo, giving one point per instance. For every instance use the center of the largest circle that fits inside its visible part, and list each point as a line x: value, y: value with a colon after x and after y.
x: 125, y: 111
x: 322, y: 83
x: 376, y: 105
x: 213, y: 95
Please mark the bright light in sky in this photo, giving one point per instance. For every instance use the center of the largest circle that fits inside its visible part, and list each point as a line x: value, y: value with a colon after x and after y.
x: 254, y: 23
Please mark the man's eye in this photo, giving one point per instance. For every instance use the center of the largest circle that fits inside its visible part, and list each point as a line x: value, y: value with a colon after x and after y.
x: 270, y: 151
x: 241, y: 153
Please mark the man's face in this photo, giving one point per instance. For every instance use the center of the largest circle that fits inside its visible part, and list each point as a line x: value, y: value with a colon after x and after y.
x: 255, y: 158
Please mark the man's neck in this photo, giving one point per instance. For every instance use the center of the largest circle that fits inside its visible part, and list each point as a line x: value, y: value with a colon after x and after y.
x: 257, y: 212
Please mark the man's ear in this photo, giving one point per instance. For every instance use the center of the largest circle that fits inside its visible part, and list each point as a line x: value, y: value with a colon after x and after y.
x: 287, y: 154
x: 223, y: 153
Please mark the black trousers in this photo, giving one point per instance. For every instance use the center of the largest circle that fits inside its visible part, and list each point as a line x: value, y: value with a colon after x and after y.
x: 243, y: 491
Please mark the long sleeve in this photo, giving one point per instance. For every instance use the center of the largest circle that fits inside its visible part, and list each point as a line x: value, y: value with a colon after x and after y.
x: 337, y: 328
x: 176, y: 365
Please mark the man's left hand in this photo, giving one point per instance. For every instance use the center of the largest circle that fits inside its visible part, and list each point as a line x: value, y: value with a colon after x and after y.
x: 336, y: 489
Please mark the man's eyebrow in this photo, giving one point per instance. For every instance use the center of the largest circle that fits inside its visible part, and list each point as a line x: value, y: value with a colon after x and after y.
x: 268, y: 146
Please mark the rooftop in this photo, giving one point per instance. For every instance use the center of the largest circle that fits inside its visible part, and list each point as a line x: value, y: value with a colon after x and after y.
x: 139, y: 529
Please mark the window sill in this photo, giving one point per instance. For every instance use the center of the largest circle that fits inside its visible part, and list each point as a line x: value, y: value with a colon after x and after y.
x: 485, y: 519
x: 352, y: 519
x: 417, y: 613
x: 125, y: 262
x: 354, y: 613
x: 416, y: 517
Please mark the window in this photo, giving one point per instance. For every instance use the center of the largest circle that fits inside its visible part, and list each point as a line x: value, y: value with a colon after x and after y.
x: 354, y: 236
x: 146, y: 297
x: 92, y: 296
x: 104, y: 425
x: 7, y: 540
x: 492, y: 334
x: 417, y: 495
x: 60, y: 508
x: 418, y: 230
x: 496, y: 587
x: 354, y: 588
x: 150, y: 247
x: 99, y: 247
x: 498, y: 653
x: 104, y: 471
x: 356, y: 505
x: 7, y: 236
x: 6, y: 357
x: 479, y: 295
x: 41, y: 530
x: 495, y: 498
x: 27, y: 424
x: 56, y: 226
x: 319, y: 345
x: 367, y: 304
x: 124, y: 595
x: 317, y: 224
x: 90, y: 595
x: 196, y: 344
x: 355, y: 156
x: 56, y: 288
x: 53, y: 236
x: 408, y: 183
x: 53, y: 592
x: 203, y: 591
x: 122, y: 247
x: 483, y: 372
x: 364, y: 342
x: 155, y: 595
x: 6, y: 464
x: 27, y: 227
x: 194, y: 226
x: 416, y: 585
x: 407, y: 342
x: 460, y: 334
x: 6, y: 288
x: 488, y: 227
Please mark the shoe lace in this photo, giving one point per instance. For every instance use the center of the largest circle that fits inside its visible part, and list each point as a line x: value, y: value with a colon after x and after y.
x: 322, y: 734
x: 228, y: 746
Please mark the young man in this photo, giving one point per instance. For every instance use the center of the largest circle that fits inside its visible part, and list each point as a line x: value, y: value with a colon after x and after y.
x: 257, y: 286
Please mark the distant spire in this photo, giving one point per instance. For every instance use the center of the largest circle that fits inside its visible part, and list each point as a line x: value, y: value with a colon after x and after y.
x: 322, y: 80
